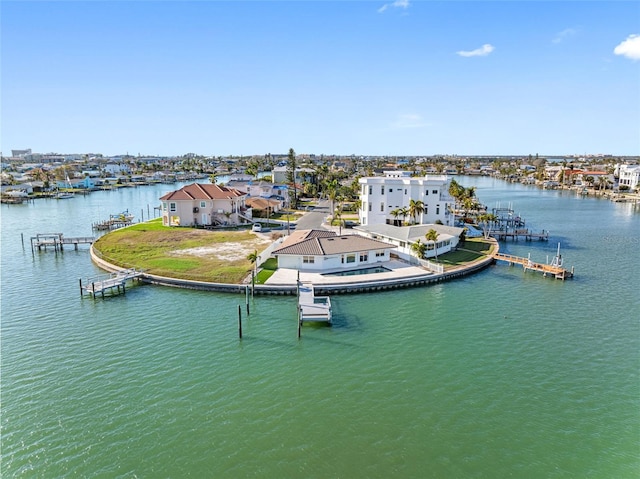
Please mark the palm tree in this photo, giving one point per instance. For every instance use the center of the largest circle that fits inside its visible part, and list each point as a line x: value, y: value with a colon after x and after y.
x: 332, y: 188
x: 486, y: 220
x: 253, y: 258
x: 404, y: 212
x: 395, y: 213
x: 418, y: 249
x: 416, y: 208
x: 432, y: 235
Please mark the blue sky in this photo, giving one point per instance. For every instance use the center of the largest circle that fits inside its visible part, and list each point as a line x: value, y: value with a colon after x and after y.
x: 325, y: 77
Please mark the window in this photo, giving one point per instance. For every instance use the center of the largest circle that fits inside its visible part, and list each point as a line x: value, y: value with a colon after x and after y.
x: 426, y: 193
x: 370, y: 204
x: 308, y: 259
x: 364, y: 257
x: 435, y: 192
x: 402, y: 244
x: 172, y: 207
x: 164, y: 206
x: 364, y: 189
x: 382, y: 206
x: 382, y: 190
x: 437, y: 209
x: 379, y: 254
x: 370, y: 189
x: 405, y: 191
x: 203, y: 204
x: 390, y: 190
x: 351, y: 258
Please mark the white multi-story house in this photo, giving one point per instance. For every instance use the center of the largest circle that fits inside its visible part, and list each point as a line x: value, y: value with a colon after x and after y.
x: 393, y: 192
x: 629, y: 175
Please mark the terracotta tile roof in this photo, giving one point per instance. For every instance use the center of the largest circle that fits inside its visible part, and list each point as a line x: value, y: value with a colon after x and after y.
x: 261, y: 203
x: 322, y: 243
x: 202, y: 191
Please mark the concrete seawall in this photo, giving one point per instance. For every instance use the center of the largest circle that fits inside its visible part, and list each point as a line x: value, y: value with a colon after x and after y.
x: 291, y: 289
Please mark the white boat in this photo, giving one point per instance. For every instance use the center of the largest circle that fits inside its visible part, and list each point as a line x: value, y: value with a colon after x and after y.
x: 63, y: 195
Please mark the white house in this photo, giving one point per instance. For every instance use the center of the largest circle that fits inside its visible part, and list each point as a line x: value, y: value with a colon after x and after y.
x: 321, y: 250
x: 381, y: 195
x: 402, y: 237
x: 628, y: 175
x: 204, y: 204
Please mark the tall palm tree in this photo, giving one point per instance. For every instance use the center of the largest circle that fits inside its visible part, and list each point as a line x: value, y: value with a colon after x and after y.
x: 404, y: 212
x: 253, y: 258
x: 432, y: 235
x: 486, y: 220
x: 416, y: 208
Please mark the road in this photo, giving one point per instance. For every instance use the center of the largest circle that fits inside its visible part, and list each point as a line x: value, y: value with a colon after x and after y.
x: 314, y: 218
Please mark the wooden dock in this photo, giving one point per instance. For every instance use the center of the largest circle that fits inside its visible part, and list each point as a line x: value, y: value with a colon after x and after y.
x: 554, y: 269
x: 57, y: 241
x: 312, y: 307
x: 113, y: 283
x: 518, y: 233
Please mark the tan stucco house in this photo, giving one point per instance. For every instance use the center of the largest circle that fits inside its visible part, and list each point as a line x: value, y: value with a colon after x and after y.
x: 205, y: 204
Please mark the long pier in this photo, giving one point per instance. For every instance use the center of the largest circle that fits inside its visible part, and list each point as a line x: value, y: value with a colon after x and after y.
x: 57, y: 241
x: 111, y: 283
x: 546, y: 269
x: 525, y: 233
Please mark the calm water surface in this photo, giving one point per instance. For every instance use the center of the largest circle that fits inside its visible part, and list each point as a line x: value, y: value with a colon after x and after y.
x: 502, y: 374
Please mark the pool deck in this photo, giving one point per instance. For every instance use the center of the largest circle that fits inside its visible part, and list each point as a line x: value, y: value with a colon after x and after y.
x: 398, y: 270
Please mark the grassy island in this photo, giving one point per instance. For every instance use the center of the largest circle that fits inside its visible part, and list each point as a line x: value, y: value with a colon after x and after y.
x: 184, y: 253
x: 217, y: 256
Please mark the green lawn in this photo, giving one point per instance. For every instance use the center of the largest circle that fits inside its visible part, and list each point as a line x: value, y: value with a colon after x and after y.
x: 171, y: 251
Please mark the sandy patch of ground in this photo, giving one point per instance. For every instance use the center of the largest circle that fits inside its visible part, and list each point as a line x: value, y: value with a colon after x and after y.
x: 224, y: 251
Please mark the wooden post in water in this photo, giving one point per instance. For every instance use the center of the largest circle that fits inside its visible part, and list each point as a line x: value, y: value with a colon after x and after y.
x: 141, y: 215
x: 22, y: 239
x: 253, y: 282
x: 239, y: 321
x: 246, y: 298
x: 299, y: 321
x: 81, y: 295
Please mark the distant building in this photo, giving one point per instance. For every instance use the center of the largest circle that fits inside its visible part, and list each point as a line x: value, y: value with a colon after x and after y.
x: 20, y: 153
x: 382, y: 195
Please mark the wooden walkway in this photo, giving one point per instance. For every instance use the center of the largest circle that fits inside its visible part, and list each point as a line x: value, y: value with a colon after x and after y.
x: 546, y: 269
x: 110, y: 283
x: 516, y: 234
x: 57, y: 241
x: 312, y: 307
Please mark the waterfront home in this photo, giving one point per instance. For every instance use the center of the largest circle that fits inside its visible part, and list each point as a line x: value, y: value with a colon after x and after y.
x: 402, y: 237
x: 629, y: 175
x: 205, y: 204
x: 388, y: 199
x: 321, y: 250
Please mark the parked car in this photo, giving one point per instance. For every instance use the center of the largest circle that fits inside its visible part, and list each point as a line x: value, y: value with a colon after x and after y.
x: 257, y: 227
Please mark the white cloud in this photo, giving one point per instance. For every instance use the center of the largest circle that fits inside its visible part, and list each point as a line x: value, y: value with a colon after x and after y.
x: 396, y: 4
x: 483, y: 51
x: 409, y: 120
x: 629, y: 48
x: 566, y: 33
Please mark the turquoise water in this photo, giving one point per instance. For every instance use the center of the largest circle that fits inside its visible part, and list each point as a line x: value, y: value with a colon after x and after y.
x: 501, y: 374
x: 356, y: 272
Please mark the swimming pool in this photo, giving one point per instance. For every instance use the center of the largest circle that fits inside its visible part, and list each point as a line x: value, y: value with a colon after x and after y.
x: 355, y: 272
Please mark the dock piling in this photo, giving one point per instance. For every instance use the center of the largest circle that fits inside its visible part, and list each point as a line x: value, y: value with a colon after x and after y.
x: 239, y: 321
